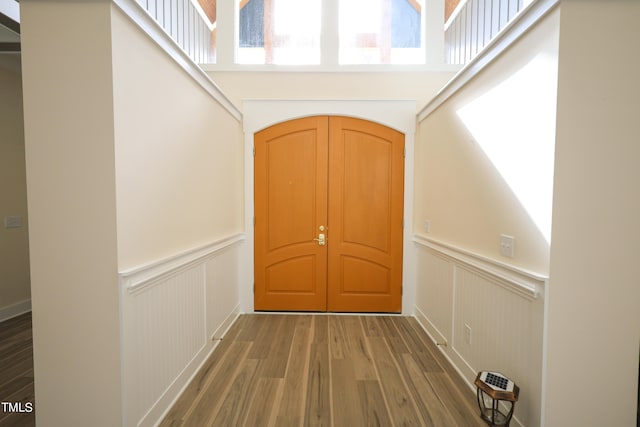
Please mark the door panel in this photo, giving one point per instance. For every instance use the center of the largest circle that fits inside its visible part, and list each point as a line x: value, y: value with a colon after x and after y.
x: 365, y: 216
x: 339, y: 172
x: 290, y: 204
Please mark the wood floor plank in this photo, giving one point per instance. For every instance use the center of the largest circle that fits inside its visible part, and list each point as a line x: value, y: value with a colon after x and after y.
x: 440, y: 359
x: 388, y: 327
x: 372, y: 327
x: 292, y: 399
x: 239, y: 396
x: 16, y: 369
x: 251, y: 327
x: 433, y: 411
x: 15, y: 352
x: 261, y: 407
x: 334, y: 370
x: 263, y: 341
x: 318, y: 404
x: 207, y: 403
x: 358, y: 351
x: 372, y: 404
x: 345, y: 397
x: 337, y: 337
x: 203, y: 377
x: 392, y: 335
x: 303, y: 321
x: 321, y: 330
x: 16, y: 419
x: 459, y: 407
x: 275, y: 364
x: 398, y: 397
x: 416, y: 345
x: 20, y: 339
x: 11, y: 327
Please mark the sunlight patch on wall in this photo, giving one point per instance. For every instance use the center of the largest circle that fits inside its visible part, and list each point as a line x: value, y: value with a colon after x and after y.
x: 514, y: 123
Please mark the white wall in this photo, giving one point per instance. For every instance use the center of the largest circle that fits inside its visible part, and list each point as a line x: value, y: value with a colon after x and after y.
x: 593, y: 305
x: 15, y: 292
x: 68, y: 105
x: 179, y: 196
x: 135, y: 194
x: 405, y: 85
x: 484, y: 164
x: 484, y: 167
x: 178, y: 154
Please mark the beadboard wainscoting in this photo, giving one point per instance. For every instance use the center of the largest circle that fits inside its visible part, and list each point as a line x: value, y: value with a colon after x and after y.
x: 484, y: 316
x: 174, y: 313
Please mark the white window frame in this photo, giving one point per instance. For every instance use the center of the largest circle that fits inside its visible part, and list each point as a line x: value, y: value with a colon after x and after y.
x: 227, y: 41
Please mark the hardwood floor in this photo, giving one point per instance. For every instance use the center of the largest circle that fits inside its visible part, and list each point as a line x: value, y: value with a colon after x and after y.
x: 316, y: 370
x: 293, y: 370
x: 16, y: 372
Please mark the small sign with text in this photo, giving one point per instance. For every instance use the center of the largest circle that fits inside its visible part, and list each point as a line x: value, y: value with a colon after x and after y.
x: 17, y: 407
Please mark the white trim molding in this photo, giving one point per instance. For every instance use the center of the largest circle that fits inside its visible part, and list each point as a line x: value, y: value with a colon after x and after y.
x: 523, y: 282
x: 139, y: 278
x: 518, y: 27
x: 396, y: 114
x: 148, y: 25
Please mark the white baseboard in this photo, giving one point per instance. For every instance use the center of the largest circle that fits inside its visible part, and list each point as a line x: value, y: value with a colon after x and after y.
x: 433, y: 333
x: 173, y: 393
x: 14, y: 310
x: 160, y: 409
x: 226, y: 324
x: 437, y: 338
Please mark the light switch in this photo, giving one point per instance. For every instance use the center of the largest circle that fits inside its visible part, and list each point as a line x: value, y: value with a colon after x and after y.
x: 427, y: 226
x: 507, y: 244
x: 12, y: 221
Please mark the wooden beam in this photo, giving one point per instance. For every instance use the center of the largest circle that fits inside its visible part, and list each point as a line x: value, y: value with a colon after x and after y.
x: 416, y: 5
x: 269, y: 30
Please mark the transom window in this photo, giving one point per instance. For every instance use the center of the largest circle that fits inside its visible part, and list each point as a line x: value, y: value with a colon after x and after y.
x: 279, y: 32
x: 380, y: 32
x: 368, y: 31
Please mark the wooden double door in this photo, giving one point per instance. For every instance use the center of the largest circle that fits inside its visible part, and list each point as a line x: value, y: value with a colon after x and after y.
x: 328, y: 196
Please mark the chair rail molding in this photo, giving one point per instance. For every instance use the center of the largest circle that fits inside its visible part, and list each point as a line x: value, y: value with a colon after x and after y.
x: 523, y: 282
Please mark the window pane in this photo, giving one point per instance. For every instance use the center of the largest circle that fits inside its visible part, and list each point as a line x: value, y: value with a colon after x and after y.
x: 380, y: 32
x: 279, y: 32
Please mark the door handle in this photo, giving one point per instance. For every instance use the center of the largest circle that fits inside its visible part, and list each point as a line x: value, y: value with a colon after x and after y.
x: 321, y: 239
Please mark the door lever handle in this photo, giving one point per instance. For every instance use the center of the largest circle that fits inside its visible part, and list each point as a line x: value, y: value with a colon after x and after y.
x: 321, y: 239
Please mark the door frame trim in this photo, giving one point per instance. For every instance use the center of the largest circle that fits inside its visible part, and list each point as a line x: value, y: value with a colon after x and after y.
x: 396, y: 114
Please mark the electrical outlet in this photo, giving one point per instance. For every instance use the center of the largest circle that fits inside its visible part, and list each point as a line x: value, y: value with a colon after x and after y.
x: 507, y: 245
x: 427, y: 226
x: 12, y: 221
x: 467, y: 333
